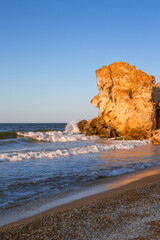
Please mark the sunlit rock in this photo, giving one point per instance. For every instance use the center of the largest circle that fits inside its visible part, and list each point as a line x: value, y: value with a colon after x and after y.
x: 128, y: 102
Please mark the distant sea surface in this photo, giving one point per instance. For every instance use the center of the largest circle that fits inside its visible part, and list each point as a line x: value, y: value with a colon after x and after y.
x: 42, y: 163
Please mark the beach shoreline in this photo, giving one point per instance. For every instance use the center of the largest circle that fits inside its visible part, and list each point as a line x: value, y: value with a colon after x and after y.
x: 72, y: 207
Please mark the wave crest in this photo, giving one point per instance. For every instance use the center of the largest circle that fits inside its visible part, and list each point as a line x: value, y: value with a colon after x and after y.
x: 18, y: 156
x: 70, y: 134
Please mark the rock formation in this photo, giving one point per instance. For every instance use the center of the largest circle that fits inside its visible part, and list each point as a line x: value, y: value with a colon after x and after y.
x: 128, y: 103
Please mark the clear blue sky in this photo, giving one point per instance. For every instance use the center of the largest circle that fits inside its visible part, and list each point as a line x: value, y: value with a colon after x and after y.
x: 49, y: 50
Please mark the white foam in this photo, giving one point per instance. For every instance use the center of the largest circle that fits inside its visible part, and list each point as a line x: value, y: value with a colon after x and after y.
x: 18, y: 156
x: 71, y: 127
x: 71, y: 134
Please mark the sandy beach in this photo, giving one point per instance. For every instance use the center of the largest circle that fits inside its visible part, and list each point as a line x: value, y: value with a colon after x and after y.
x: 127, y: 212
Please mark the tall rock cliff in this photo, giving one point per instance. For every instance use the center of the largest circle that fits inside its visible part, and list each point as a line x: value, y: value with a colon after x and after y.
x: 127, y: 100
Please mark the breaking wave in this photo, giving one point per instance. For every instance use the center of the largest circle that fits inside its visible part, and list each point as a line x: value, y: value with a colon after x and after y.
x: 71, y: 127
x: 50, y: 135
x: 70, y: 134
x: 19, y: 156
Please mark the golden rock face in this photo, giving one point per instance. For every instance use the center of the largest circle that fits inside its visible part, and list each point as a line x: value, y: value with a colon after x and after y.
x: 127, y: 99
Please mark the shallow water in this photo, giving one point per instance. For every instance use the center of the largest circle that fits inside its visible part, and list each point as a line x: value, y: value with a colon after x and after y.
x: 46, y: 161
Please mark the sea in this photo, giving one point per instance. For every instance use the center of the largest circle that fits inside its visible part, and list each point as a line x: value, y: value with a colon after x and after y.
x: 49, y: 164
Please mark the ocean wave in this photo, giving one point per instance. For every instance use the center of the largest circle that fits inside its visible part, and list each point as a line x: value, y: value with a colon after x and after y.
x: 19, y: 156
x: 53, y: 136
x: 47, y: 134
x: 70, y: 134
x: 6, y: 135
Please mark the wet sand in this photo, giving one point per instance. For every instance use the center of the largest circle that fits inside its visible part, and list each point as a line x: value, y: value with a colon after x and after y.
x: 131, y: 211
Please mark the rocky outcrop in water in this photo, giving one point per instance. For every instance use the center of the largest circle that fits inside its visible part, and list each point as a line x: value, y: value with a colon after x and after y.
x: 128, y: 103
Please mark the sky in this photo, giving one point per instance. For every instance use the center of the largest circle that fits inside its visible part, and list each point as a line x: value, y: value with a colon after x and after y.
x: 50, y: 49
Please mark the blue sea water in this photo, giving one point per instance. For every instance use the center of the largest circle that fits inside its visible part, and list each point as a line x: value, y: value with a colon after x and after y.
x: 40, y: 163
